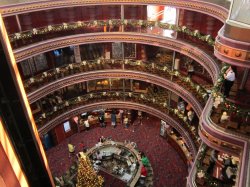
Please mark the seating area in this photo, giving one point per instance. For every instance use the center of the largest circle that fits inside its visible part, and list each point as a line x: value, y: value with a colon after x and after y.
x: 216, y: 168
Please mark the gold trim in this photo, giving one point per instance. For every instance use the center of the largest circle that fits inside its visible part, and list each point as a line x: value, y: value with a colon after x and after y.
x: 214, y: 10
x: 232, y: 53
x: 12, y: 157
x: 12, y: 62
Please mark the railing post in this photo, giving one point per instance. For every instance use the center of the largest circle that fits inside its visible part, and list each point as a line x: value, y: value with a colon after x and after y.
x: 122, y: 16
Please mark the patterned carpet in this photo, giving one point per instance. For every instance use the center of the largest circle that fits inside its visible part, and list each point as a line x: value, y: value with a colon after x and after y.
x: 169, y: 170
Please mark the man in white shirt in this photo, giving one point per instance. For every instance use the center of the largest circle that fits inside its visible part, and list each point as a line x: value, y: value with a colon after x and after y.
x: 229, y: 81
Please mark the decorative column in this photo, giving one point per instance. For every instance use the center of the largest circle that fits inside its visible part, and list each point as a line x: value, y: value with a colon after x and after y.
x: 18, y: 23
x: 77, y: 54
x: 122, y: 16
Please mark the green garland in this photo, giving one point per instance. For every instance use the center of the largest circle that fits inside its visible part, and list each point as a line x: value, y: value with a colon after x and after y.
x: 227, y: 105
x: 210, y: 181
x: 195, y: 87
x: 107, y: 94
x: 111, y: 23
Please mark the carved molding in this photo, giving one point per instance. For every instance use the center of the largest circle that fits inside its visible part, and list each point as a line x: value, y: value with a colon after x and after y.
x: 177, y: 45
x: 127, y: 74
x: 211, y: 9
x: 232, y: 51
x: 234, y: 56
x: 120, y: 104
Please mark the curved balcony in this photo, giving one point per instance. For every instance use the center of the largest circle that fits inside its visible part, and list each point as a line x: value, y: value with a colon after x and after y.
x: 208, y: 62
x: 46, y: 79
x: 217, y: 9
x: 137, y: 75
x: 225, y: 138
x: 232, y: 51
x: 51, y: 32
x: 201, y: 176
x: 152, y: 104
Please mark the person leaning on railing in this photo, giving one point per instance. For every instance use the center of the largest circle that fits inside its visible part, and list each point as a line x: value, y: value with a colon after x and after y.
x: 229, y: 77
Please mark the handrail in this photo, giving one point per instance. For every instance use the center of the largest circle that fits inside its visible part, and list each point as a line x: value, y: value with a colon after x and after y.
x: 228, y: 136
x: 136, y: 75
x: 47, y: 77
x: 135, y: 101
x: 139, y: 25
x: 192, y: 51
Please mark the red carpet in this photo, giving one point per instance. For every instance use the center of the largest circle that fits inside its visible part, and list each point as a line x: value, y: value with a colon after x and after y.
x: 169, y: 170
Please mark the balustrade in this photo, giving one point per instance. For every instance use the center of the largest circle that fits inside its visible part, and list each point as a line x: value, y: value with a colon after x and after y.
x: 226, y: 114
x: 135, y: 65
x: 25, y: 38
x: 211, y: 168
x: 153, y: 100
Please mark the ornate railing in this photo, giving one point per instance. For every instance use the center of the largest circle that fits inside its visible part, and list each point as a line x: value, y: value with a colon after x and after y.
x: 199, y: 175
x: 65, y: 29
x: 190, y: 50
x: 221, y: 104
x: 50, y: 76
x: 138, y: 101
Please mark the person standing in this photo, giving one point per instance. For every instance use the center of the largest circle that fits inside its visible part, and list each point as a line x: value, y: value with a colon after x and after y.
x: 139, y: 114
x: 86, y: 123
x: 101, y: 120
x: 121, y: 116
x: 126, y: 121
x: 190, y: 69
x: 229, y: 77
x: 71, y: 149
x: 113, y: 119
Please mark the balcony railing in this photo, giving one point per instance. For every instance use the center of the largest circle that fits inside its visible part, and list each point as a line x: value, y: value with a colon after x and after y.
x: 98, y: 26
x: 226, y: 114
x: 201, y: 174
x: 157, y: 101
x: 136, y: 65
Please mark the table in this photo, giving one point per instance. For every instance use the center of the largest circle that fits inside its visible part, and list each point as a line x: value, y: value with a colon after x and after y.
x: 111, y: 152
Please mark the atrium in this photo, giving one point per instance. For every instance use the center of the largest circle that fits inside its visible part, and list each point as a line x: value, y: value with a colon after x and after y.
x: 124, y: 93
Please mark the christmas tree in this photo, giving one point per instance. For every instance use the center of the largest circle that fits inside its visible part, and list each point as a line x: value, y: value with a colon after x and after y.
x: 86, y: 176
